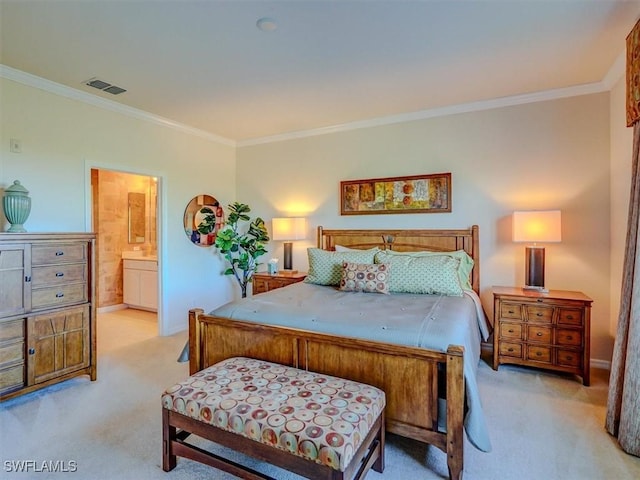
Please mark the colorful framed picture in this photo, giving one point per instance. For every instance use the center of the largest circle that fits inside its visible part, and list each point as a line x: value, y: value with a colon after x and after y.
x: 415, y: 194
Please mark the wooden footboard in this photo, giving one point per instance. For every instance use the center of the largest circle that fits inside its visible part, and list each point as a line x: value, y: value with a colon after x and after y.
x: 409, y: 376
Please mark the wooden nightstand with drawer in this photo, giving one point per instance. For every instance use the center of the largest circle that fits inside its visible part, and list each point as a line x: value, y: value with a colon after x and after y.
x: 546, y: 330
x: 263, y: 282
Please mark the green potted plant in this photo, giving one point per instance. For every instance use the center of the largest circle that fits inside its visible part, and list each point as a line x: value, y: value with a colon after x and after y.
x: 241, y: 249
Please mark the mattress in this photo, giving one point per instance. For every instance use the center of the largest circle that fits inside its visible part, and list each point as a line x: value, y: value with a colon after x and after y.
x: 425, y: 321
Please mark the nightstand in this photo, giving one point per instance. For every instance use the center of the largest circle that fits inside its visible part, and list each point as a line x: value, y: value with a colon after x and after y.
x: 546, y: 330
x: 263, y: 282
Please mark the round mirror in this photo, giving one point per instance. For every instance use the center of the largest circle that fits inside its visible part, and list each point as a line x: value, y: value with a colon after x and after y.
x: 203, y: 218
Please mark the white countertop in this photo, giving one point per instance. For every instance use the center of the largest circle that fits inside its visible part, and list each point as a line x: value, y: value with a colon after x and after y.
x: 140, y: 255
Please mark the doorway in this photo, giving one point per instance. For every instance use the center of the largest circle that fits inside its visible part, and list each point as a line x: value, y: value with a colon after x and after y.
x: 124, y: 214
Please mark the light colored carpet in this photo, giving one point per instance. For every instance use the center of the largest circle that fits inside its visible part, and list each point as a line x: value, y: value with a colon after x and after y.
x: 542, y: 425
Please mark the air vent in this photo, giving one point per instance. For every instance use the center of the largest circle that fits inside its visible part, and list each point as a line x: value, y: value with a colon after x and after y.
x: 104, y: 86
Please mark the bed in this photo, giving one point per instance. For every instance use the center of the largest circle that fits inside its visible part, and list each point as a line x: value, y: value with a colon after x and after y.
x: 387, y: 350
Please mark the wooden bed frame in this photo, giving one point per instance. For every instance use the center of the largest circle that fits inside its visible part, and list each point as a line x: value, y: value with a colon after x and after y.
x: 412, y: 406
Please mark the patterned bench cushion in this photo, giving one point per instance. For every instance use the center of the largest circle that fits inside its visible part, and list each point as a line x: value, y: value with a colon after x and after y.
x: 318, y: 417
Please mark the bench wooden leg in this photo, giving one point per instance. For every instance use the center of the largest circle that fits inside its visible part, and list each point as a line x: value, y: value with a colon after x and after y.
x: 168, y: 436
x: 378, y: 466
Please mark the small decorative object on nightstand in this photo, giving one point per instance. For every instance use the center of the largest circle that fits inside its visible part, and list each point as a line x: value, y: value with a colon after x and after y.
x: 263, y: 282
x: 546, y: 330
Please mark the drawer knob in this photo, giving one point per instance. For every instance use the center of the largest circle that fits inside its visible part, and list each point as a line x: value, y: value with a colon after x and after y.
x: 568, y: 357
x: 32, y: 351
x: 510, y: 350
x: 569, y: 337
x: 59, y: 295
x: 511, y: 311
x: 539, y: 334
x: 59, y: 253
x: 59, y: 274
x: 569, y: 317
x: 510, y: 330
x: 538, y: 314
x: 539, y: 300
x: 538, y: 354
x: 27, y: 279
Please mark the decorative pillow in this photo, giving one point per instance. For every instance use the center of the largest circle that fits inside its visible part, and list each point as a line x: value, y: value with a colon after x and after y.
x: 325, y: 267
x: 464, y: 268
x: 422, y: 273
x: 365, y: 277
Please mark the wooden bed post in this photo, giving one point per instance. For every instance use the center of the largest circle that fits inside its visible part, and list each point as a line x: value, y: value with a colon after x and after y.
x: 455, y: 414
x: 194, y: 341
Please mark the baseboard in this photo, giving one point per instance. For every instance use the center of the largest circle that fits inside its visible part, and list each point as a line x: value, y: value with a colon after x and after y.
x: 112, y: 308
x: 603, y: 364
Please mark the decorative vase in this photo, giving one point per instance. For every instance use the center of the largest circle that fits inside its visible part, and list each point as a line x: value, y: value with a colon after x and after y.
x: 17, y: 206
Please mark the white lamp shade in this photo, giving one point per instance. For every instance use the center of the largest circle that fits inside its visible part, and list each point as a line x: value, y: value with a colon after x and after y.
x: 537, y: 226
x: 290, y: 228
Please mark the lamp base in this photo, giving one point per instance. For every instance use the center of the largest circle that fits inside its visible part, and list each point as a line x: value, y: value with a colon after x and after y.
x: 534, y: 288
x: 534, y: 267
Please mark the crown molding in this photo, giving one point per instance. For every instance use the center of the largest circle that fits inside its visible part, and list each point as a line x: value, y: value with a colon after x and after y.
x: 612, y: 76
x: 74, y: 94
x: 585, y: 89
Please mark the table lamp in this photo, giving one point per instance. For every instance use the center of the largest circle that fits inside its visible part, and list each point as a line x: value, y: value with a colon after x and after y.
x: 541, y: 226
x: 289, y: 229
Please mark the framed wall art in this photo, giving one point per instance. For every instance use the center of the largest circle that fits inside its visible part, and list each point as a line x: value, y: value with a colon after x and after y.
x: 414, y: 194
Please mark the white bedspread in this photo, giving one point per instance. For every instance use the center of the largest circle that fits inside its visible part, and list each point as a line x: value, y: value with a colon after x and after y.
x: 427, y: 321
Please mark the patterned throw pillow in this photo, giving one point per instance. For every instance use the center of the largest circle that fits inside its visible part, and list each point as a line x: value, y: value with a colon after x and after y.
x: 433, y: 274
x: 325, y: 267
x: 365, y: 277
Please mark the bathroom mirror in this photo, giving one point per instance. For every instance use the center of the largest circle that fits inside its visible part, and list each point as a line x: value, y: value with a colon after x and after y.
x: 137, y: 217
x: 203, y: 218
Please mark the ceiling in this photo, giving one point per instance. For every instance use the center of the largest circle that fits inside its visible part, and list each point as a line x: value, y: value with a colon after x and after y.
x: 205, y: 64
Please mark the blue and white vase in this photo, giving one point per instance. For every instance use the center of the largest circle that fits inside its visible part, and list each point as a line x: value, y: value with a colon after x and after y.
x: 17, y: 206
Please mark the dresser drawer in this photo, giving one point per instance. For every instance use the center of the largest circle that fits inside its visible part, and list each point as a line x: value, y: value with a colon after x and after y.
x: 12, y: 353
x: 60, y: 295
x: 536, y: 333
x: 511, y: 349
x: 58, y: 274
x: 569, y: 337
x: 569, y: 358
x: 12, y: 330
x: 58, y: 253
x: 570, y: 316
x: 511, y: 330
x: 539, y: 354
x: 511, y: 310
x: 11, y: 378
x: 539, y: 314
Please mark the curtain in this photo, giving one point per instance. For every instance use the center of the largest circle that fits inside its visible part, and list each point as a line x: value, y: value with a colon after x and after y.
x: 623, y: 405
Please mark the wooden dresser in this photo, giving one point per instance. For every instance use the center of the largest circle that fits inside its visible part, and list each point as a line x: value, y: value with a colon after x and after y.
x: 263, y: 282
x: 547, y: 330
x: 47, y: 310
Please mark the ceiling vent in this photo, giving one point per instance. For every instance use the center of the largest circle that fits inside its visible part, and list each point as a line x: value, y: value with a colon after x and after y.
x: 104, y: 86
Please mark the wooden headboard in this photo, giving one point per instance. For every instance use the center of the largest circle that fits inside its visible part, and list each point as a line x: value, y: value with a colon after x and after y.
x: 408, y: 241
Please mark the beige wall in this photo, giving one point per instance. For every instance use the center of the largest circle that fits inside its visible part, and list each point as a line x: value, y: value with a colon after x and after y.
x: 562, y: 154
x: 552, y: 154
x: 63, y: 139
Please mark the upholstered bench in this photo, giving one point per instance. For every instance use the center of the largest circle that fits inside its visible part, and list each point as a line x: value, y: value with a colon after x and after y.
x: 318, y: 426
